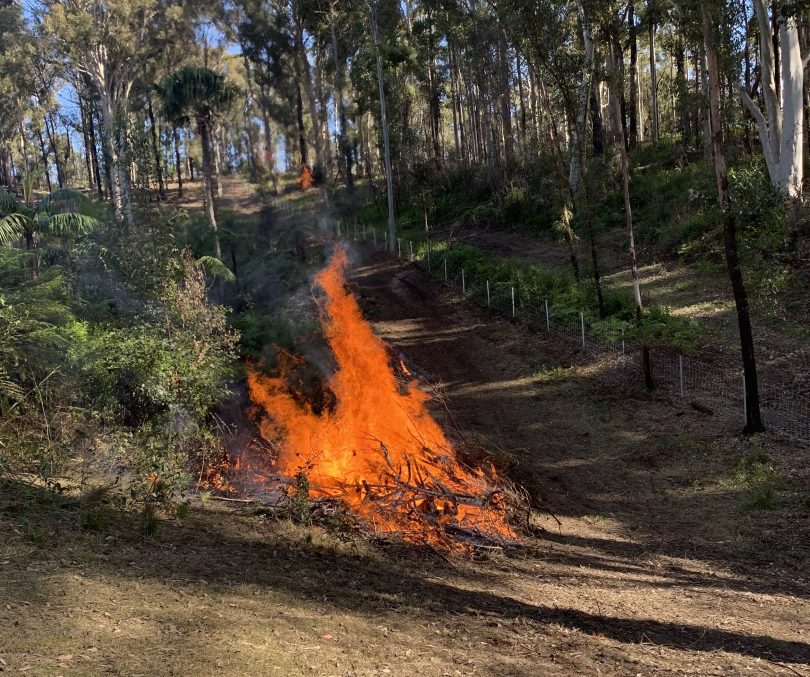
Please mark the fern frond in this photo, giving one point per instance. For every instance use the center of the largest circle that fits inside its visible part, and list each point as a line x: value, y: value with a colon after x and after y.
x: 216, y: 268
x: 9, y: 202
x: 13, y: 226
x: 70, y: 224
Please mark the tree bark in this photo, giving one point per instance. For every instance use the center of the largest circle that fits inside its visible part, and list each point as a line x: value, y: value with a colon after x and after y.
x: 392, y: 229
x: 653, y: 85
x: 155, y: 148
x: 631, y: 23
x: 753, y: 419
x: 615, y: 85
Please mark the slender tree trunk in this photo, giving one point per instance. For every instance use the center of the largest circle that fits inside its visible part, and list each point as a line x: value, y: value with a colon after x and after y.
x: 88, y: 161
x: 340, y: 106
x: 616, y: 85
x: 302, y: 136
x: 45, y: 160
x: 392, y: 229
x: 506, y: 96
x: 653, y: 86
x: 108, y: 141
x: 631, y: 23
x: 91, y: 132
x: 753, y: 419
x: 50, y: 130
x: 155, y: 148
x: 306, y: 78
x: 204, y: 131
x: 178, y: 164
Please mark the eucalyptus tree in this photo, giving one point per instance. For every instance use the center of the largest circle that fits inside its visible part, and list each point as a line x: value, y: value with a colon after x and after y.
x: 781, y: 124
x: 108, y: 42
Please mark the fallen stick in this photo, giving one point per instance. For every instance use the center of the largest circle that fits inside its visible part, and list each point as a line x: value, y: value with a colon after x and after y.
x: 233, y: 500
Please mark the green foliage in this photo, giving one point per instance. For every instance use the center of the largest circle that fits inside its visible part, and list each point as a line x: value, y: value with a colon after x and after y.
x: 194, y: 92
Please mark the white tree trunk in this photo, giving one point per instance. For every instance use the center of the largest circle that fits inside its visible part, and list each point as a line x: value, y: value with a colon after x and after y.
x: 781, y: 125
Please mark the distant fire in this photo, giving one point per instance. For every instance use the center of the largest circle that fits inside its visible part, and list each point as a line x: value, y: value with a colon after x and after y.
x: 370, y: 441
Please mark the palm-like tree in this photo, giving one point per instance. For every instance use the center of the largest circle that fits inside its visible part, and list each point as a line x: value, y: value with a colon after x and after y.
x: 62, y: 213
x: 199, y: 95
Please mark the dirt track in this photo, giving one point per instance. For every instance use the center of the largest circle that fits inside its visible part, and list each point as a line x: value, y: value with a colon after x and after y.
x: 656, y: 548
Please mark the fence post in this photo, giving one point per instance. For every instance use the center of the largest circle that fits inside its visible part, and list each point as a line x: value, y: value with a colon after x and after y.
x: 386, y: 239
x: 427, y: 253
x: 399, y: 247
x: 745, y: 401
x: 338, y: 229
x: 463, y: 283
x: 410, y: 244
x: 513, y: 301
x: 445, y: 271
x: 680, y: 375
x: 487, y: 293
x: 582, y: 322
x: 622, y: 340
x: 548, y: 318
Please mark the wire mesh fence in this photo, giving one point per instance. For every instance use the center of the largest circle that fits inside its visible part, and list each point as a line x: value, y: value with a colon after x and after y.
x: 708, y: 386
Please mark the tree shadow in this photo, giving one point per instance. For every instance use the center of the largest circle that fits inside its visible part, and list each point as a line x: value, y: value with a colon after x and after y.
x: 383, y: 582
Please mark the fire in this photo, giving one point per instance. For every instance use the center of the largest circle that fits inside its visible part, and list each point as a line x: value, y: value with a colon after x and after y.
x: 305, y: 180
x: 375, y: 446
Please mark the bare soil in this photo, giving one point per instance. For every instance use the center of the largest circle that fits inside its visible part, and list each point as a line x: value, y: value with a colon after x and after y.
x: 649, y: 556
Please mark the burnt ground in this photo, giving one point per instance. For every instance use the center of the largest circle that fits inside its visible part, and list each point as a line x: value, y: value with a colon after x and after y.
x: 662, y: 556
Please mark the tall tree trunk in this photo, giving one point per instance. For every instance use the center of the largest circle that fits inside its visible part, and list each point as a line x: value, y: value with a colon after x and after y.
x: 299, y: 118
x: 204, y: 131
x: 781, y: 126
x: 50, y: 130
x: 506, y: 95
x: 616, y: 86
x: 91, y: 132
x: 518, y: 70
x: 653, y: 84
x: 392, y: 229
x: 88, y: 161
x: 631, y: 23
x: 753, y: 419
x: 155, y: 148
x: 45, y: 160
x: 305, y: 77
x: 340, y: 106
x: 178, y: 164
x: 583, y: 99
x: 110, y: 145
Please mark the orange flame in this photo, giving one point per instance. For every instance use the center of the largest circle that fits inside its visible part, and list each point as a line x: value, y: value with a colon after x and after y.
x: 377, y: 449
x: 305, y: 180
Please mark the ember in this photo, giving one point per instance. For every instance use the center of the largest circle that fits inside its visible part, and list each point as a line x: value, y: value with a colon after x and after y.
x: 376, y: 448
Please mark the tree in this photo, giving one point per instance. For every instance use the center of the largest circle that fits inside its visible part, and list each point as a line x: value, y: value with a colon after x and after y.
x: 781, y: 125
x: 753, y: 419
x: 107, y: 42
x: 62, y: 213
x: 375, y: 32
x: 201, y: 95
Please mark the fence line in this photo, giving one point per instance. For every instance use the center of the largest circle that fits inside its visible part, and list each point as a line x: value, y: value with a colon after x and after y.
x: 710, y: 387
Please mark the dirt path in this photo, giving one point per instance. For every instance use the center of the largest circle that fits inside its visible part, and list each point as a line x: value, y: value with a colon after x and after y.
x: 654, y: 533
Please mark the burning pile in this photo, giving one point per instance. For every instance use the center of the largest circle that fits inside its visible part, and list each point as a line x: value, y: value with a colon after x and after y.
x: 373, y: 444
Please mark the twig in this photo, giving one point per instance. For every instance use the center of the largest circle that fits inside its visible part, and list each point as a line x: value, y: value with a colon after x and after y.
x: 233, y: 500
